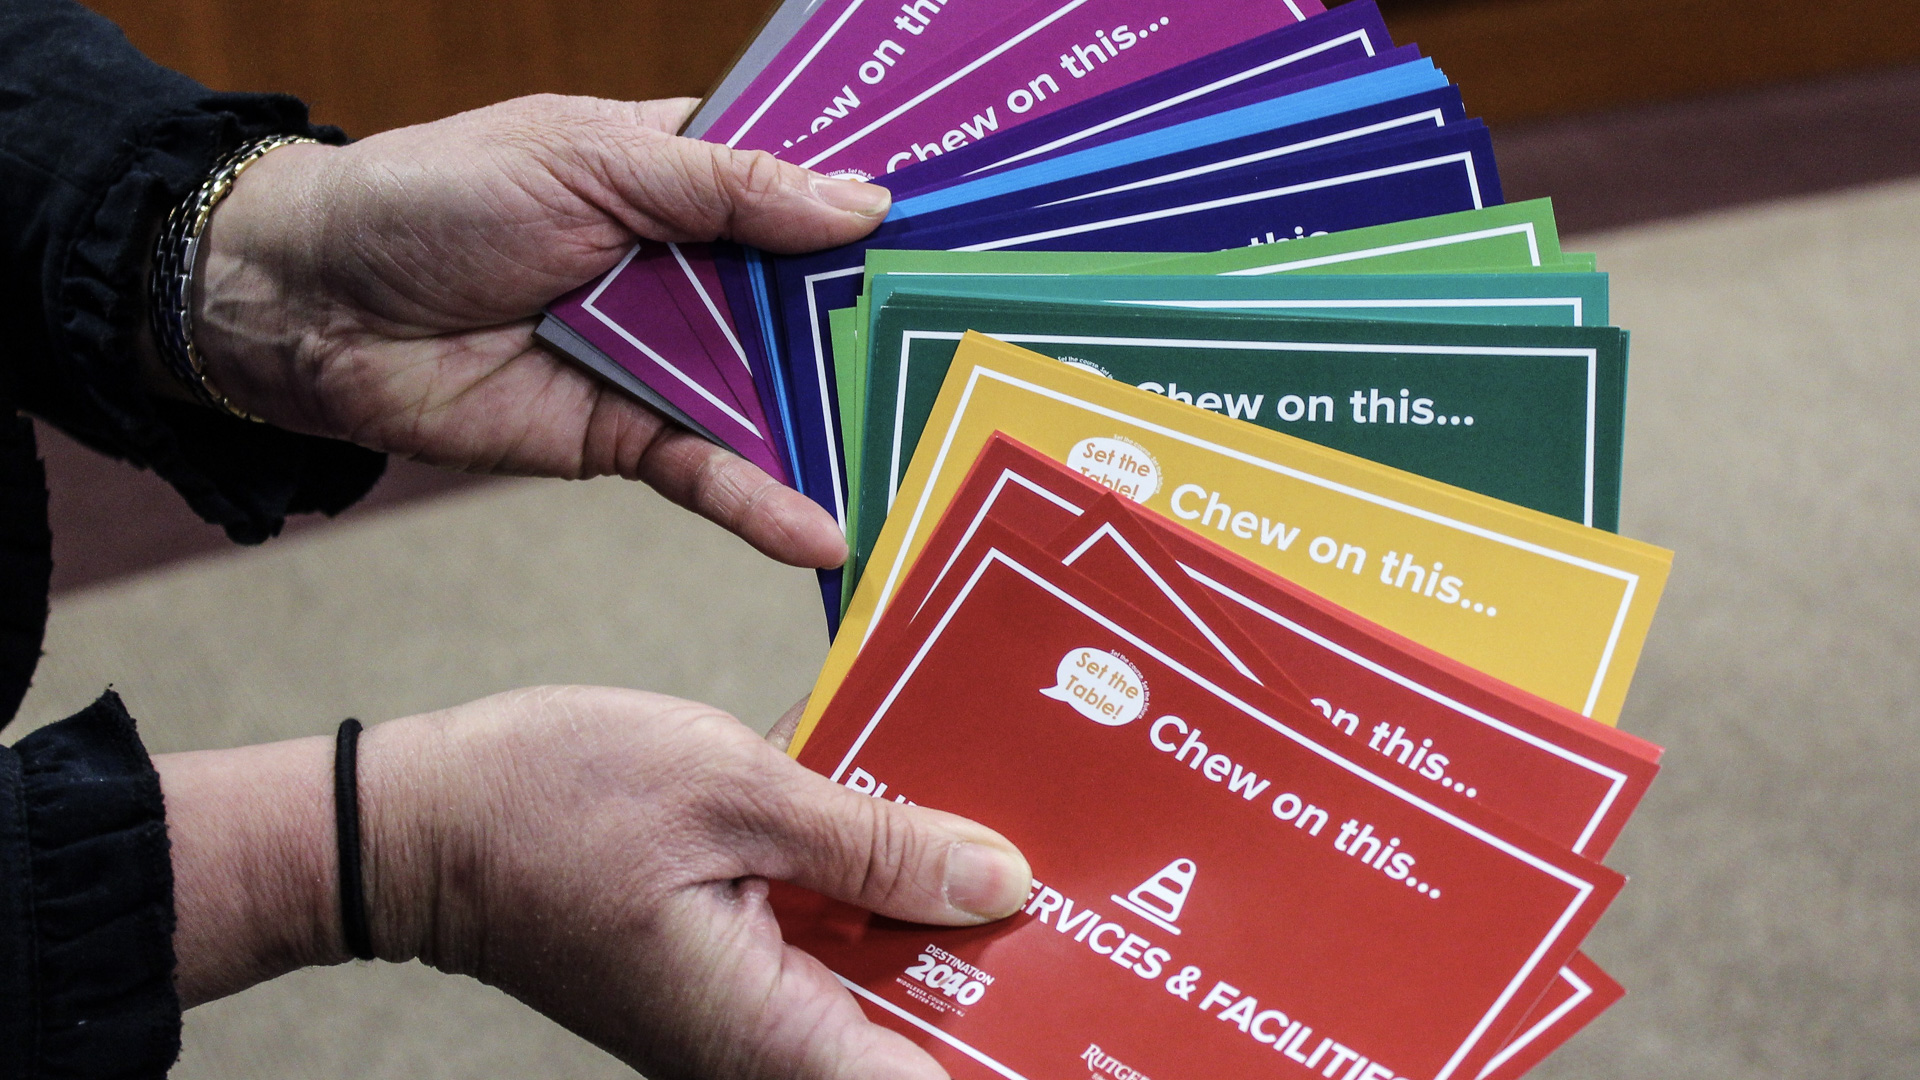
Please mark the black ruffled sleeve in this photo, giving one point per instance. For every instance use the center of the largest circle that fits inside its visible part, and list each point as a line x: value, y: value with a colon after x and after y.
x: 97, y: 143
x: 86, y: 904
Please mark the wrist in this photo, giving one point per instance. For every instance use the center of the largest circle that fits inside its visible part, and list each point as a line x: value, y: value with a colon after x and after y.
x: 421, y: 855
x: 251, y: 831
x: 255, y: 853
x: 254, y: 284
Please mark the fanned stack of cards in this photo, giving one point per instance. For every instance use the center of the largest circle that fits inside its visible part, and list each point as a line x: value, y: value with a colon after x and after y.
x: 1232, y: 482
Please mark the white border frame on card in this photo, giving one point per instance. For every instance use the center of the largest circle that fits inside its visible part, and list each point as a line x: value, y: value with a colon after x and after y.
x: 1630, y: 581
x: 610, y: 323
x: 1437, y: 117
x: 1109, y: 533
x: 1463, y: 158
x: 1582, y: 990
x: 1592, y: 357
x: 912, y: 103
x: 806, y: 61
x: 1407, y: 247
x: 1575, y: 304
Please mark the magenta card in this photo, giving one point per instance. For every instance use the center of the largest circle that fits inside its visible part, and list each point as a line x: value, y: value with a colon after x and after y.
x: 692, y: 279
x: 672, y: 359
x: 1046, y: 58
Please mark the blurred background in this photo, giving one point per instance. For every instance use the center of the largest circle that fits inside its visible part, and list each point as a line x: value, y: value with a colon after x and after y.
x: 1749, y: 170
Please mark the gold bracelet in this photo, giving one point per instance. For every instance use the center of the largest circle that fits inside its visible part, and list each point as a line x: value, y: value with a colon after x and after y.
x: 175, y: 257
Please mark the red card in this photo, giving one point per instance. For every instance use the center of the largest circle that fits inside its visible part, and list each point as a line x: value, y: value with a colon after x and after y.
x: 1099, y: 548
x: 1581, y: 993
x: 1269, y: 892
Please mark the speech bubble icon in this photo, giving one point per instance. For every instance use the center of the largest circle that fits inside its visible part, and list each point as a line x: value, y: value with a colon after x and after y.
x: 1101, y: 686
x: 1117, y: 464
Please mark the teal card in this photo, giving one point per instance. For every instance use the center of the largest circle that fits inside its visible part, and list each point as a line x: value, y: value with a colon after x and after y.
x: 1532, y: 415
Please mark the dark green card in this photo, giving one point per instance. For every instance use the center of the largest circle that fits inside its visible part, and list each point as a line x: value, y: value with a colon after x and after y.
x: 1532, y: 415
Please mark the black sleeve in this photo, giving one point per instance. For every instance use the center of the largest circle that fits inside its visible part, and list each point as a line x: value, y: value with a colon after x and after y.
x: 86, y: 905
x: 97, y: 144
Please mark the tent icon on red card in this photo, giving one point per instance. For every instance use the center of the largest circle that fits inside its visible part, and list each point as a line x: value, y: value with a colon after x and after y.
x: 1160, y: 898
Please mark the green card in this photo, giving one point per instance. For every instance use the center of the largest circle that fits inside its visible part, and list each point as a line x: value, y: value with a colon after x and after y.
x: 1518, y: 298
x: 1514, y: 237
x: 1529, y: 414
x: 845, y: 332
x: 1505, y: 237
x: 1494, y: 299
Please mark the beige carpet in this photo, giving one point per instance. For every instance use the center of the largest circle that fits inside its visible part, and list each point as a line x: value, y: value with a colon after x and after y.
x: 1773, y: 926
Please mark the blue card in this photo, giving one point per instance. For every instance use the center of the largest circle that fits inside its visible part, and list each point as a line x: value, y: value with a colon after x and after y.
x: 732, y: 260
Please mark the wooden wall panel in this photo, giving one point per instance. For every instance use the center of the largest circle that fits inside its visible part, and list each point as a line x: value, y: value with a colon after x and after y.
x: 1520, y: 59
x: 369, y: 65
x: 374, y: 64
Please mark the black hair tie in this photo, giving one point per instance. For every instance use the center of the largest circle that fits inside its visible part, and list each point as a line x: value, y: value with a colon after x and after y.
x: 346, y: 817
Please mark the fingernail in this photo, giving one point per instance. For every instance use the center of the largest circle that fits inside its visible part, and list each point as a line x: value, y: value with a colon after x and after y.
x: 986, y: 882
x: 853, y: 196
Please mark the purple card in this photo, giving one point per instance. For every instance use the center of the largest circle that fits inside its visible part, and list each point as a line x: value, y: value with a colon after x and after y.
x: 671, y: 359
x: 1350, y: 32
x: 1030, y: 66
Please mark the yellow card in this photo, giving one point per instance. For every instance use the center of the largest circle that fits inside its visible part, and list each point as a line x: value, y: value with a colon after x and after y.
x: 1552, y: 607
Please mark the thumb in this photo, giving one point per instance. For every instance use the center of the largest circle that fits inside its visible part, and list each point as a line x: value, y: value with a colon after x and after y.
x: 904, y: 862
x: 678, y: 189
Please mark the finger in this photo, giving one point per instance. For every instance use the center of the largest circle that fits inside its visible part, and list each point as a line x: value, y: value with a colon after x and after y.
x: 780, y: 736
x: 670, y: 188
x: 905, y: 862
x: 740, y: 497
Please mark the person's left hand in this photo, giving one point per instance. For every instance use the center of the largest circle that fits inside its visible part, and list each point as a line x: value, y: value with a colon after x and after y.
x: 386, y: 292
x: 603, y: 855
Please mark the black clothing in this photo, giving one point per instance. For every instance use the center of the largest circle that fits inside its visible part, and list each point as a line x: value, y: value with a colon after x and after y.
x: 86, y: 904
x: 97, y: 144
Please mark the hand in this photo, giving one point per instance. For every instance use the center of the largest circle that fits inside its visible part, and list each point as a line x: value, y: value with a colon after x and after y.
x: 600, y: 854
x: 386, y: 292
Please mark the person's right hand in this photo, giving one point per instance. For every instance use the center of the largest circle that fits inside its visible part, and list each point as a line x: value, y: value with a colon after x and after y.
x: 603, y: 855
x: 387, y: 292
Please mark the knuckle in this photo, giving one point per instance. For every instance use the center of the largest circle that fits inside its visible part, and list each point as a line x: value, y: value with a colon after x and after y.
x: 746, y: 179
x: 716, y: 489
x: 761, y: 175
x: 895, y: 848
